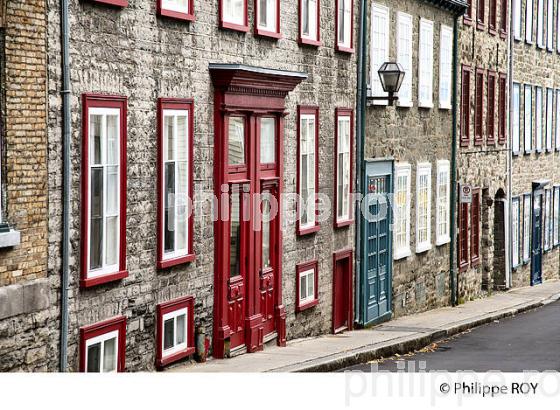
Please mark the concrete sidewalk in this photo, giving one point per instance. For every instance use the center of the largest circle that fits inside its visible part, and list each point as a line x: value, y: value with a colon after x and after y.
x: 402, y: 335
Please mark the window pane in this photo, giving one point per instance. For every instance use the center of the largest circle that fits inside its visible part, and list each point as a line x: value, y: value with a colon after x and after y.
x: 305, y: 17
x: 310, y: 285
x: 236, y: 141
x: 235, y: 232
x: 182, y: 140
x: 169, y: 228
x: 96, y: 218
x: 234, y: 11
x: 95, y: 139
x: 111, y: 248
x: 168, y: 135
x: 268, y: 140
x: 266, y: 230
x: 303, y: 287
x: 93, y: 358
x: 110, y: 355
x: 263, y: 12
x: 181, y: 330
x: 112, y: 139
x: 168, y: 334
x: 181, y: 207
x: 112, y: 190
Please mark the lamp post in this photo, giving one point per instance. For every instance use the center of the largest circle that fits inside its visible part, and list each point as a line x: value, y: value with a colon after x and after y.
x: 391, y: 75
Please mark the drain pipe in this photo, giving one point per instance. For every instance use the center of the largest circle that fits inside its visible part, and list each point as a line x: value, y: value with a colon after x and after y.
x: 360, y: 138
x: 65, y: 93
x: 509, y: 158
x: 453, y: 282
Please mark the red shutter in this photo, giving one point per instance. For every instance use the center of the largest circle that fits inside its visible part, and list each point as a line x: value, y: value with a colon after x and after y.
x: 492, y: 16
x: 480, y: 9
x: 479, y: 107
x: 504, y: 18
x: 463, y: 237
x: 502, y: 84
x: 491, y: 109
x: 475, y: 228
x: 465, y: 106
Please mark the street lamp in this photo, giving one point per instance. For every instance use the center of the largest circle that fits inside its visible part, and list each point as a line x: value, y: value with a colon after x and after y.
x: 391, y: 75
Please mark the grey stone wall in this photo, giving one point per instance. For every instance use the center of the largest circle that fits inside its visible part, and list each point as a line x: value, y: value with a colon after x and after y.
x: 413, y: 135
x: 537, y: 67
x: 134, y: 52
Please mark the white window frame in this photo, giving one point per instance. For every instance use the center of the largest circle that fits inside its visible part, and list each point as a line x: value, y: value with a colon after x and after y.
x: 177, y: 347
x: 175, y: 114
x: 104, y: 112
x: 556, y: 217
x: 402, y: 170
x: 527, y: 206
x: 344, y: 148
x: 424, y: 169
x: 515, y: 212
x: 539, y: 119
x: 102, y: 339
x: 379, y: 51
x: 173, y: 5
x: 528, y: 118
x: 347, y: 14
x: 271, y: 17
x: 549, y: 25
x: 443, y: 204
x: 557, y: 128
x: 229, y: 18
x: 308, y: 273
x: 426, y: 64
x: 405, y: 28
x: 529, y: 21
x: 516, y: 19
x: 311, y: 165
x: 313, y: 24
x: 445, y: 66
x: 540, y: 24
x: 516, y: 120
x: 549, y: 105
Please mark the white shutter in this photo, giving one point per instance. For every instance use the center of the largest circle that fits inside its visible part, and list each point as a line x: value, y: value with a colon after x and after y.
x: 529, y: 22
x: 379, y: 44
x: 445, y: 66
x: 549, y: 100
x: 404, y: 57
x: 516, y: 19
x: 538, y: 119
x: 549, y: 25
x: 528, y: 122
x: 540, y: 23
x: 515, y: 137
x: 426, y: 64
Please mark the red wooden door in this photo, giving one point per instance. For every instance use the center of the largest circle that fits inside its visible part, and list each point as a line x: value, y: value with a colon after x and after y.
x: 342, y: 291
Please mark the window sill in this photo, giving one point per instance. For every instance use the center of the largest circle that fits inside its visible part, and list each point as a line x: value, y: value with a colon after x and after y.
x: 423, y: 247
x: 445, y: 106
x: 492, y: 30
x: 425, y: 104
x: 309, y: 42
x: 405, y: 104
x: 160, y: 363
x: 309, y: 230
x: 475, y: 262
x: 177, y: 15
x: 478, y: 141
x: 270, y: 34
x: 480, y: 25
x: 467, y: 20
x: 10, y: 239
x: 117, y: 3
x: 526, y: 261
x: 401, y: 254
x: 344, y: 49
x: 112, y: 277
x: 503, y: 34
x: 343, y: 223
x: 443, y: 241
x: 307, y: 305
x: 528, y: 152
x: 235, y: 27
x: 463, y: 266
x: 515, y: 153
x: 518, y: 39
x: 167, y: 263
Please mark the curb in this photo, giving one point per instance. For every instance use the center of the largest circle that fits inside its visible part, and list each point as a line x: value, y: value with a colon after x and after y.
x: 406, y: 344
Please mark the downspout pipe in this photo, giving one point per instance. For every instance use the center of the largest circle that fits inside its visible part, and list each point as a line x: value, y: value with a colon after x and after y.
x: 65, y: 94
x: 509, y: 160
x: 360, y: 140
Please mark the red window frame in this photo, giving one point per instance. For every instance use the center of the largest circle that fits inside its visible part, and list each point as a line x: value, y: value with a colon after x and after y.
x: 299, y: 269
x: 97, y: 329
x: 232, y: 26
x: 267, y: 33
x: 479, y: 107
x: 307, y: 41
x: 173, y: 104
x: 467, y: 17
x: 492, y: 16
x: 465, y: 105
x: 102, y: 101
x: 480, y: 12
x: 475, y: 227
x: 168, y: 307
x: 189, y: 16
x: 504, y: 19
x: 343, y: 112
x: 338, y: 47
x: 491, y: 107
x: 117, y: 3
x: 314, y: 110
x: 502, y: 102
x: 463, y: 236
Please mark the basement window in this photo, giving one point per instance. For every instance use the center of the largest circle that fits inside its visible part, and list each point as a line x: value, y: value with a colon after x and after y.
x: 102, y: 346
x: 178, y: 9
x: 175, y: 330
x: 307, y: 275
x: 117, y: 3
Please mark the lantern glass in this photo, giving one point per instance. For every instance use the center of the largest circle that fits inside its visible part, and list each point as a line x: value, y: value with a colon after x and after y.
x: 391, y: 76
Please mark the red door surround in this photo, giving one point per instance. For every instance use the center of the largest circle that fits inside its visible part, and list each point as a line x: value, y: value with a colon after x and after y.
x: 342, y: 291
x: 248, y: 264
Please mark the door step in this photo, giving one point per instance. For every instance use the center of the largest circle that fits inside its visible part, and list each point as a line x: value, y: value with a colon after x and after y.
x: 270, y: 339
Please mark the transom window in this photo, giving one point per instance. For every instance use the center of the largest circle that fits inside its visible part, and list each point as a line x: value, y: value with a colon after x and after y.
x: 443, y: 198
x: 308, y: 169
x: 423, y: 207
x: 344, y: 24
x: 402, y: 211
x: 309, y: 21
x: 343, y: 165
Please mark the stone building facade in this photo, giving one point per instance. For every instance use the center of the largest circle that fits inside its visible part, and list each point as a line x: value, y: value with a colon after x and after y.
x: 535, y: 142
x: 147, y: 56
x: 482, y: 149
x: 414, y: 138
x: 28, y: 332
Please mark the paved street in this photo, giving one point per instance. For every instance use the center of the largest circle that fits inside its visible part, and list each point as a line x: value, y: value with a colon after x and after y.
x: 528, y: 341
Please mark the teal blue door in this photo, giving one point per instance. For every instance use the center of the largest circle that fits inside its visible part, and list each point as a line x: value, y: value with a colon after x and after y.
x: 376, y: 217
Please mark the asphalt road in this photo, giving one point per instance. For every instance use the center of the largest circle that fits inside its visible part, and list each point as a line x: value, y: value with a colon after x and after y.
x: 529, y: 341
